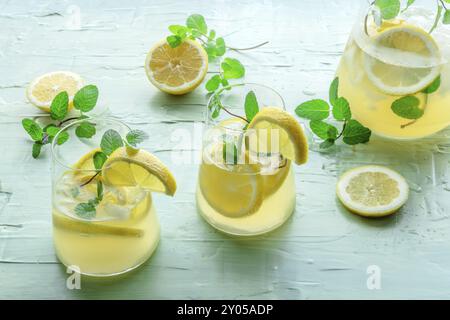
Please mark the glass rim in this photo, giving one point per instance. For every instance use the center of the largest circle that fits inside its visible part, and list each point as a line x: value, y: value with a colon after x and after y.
x: 215, y: 123
x: 55, y: 145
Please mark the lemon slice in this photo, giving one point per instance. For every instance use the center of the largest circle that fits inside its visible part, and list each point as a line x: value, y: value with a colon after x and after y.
x: 43, y: 89
x: 140, y: 169
x: 372, y: 191
x: 176, y: 70
x: 413, y: 58
x: 276, y: 131
x: 234, y: 191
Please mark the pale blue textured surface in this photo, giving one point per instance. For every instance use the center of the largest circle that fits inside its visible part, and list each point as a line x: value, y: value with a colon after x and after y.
x: 321, y: 252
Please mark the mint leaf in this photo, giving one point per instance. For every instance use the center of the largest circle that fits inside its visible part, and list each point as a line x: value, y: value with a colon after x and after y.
x: 197, y: 22
x: 446, y: 18
x: 316, y: 109
x: 225, y: 83
x: 85, y: 130
x: 212, y: 34
x: 333, y: 91
x: 341, y: 109
x: 355, y: 133
x: 99, y: 190
x: 59, y: 106
x: 327, y: 144
x: 408, y: 4
x: 33, y: 129
x: 389, y: 8
x: 111, y: 140
x: 407, y: 107
x: 37, y: 146
x: 213, y: 83
x: 229, y: 152
x: 220, y: 47
x: 323, y: 130
x: 178, y: 30
x: 251, y: 106
x: 433, y: 86
x: 85, y: 210
x: 62, y: 137
x: 51, y: 130
x: 232, y: 69
x: 99, y: 159
x: 135, y: 137
x: 174, y: 41
x: 86, y: 98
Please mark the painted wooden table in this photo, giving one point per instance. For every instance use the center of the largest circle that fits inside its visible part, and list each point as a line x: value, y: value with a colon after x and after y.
x: 321, y: 252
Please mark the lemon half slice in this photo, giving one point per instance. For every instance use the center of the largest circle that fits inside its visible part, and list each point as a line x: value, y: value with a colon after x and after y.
x: 43, y: 89
x: 276, y: 131
x: 176, y: 70
x: 141, y: 168
x: 372, y: 191
x: 413, y: 58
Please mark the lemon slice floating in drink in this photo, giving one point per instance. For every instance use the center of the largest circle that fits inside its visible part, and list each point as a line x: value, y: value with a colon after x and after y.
x: 176, y: 70
x: 372, y: 191
x: 43, y: 89
x: 413, y: 64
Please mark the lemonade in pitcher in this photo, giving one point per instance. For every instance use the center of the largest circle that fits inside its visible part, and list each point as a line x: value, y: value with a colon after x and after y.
x: 395, y: 70
x: 246, y: 180
x: 104, y: 219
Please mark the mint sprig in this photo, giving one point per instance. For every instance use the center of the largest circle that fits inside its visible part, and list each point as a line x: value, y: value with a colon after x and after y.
x: 318, y: 110
x: 84, y: 100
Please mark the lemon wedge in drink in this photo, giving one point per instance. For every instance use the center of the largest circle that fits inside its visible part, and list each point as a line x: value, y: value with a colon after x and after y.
x: 372, y: 191
x: 43, y: 89
x: 273, y: 130
x: 405, y: 60
x: 138, y: 168
x: 176, y: 70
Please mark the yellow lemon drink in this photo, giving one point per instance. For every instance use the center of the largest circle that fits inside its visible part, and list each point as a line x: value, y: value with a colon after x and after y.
x: 119, y: 230
x: 243, y: 189
x: 396, y: 76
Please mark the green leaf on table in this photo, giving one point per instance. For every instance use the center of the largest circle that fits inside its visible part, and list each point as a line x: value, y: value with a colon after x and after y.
x: 229, y: 152
x: 220, y: 47
x: 446, y: 18
x: 316, y: 109
x: 212, y: 34
x: 232, y: 68
x: 37, y: 146
x: 355, y: 133
x: 86, y: 98
x: 433, y: 86
x: 85, y: 130
x: 62, y: 137
x: 323, y: 130
x: 174, y: 41
x: 33, y: 129
x: 99, y: 159
x: 85, y: 210
x: 179, y: 30
x: 59, y: 106
x: 389, y: 8
x: 333, y: 91
x: 197, y: 22
x: 251, y: 106
x: 225, y: 83
x: 111, y: 140
x: 341, y: 109
x: 407, y: 107
x: 135, y: 137
x: 213, y: 83
x: 327, y: 144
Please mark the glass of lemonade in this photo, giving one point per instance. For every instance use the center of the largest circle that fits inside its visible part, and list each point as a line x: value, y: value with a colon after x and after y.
x: 123, y: 231
x: 240, y: 192
x: 395, y: 70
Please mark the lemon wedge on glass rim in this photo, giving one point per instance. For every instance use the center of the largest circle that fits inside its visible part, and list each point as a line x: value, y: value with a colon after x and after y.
x: 372, y: 191
x: 176, y: 70
x: 404, y: 59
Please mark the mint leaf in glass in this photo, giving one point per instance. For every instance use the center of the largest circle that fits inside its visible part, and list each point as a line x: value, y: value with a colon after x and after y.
x: 232, y: 68
x: 85, y: 210
x: 355, y: 133
x: 316, y: 109
x: 111, y: 140
x: 33, y: 129
x: 433, y: 87
x: 86, y: 98
x: 407, y: 107
x: 135, y: 137
x: 99, y: 159
x: 251, y: 106
x: 59, y: 106
x: 230, y: 152
x: 85, y: 130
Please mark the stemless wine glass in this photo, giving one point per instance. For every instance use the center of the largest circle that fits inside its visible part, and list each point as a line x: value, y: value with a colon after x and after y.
x: 395, y: 70
x: 121, y: 232
x: 239, y: 192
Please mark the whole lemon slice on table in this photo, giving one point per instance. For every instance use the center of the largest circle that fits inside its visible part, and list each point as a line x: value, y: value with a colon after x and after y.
x: 176, y: 70
x: 405, y: 60
x: 43, y: 89
x: 372, y: 191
